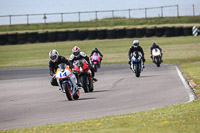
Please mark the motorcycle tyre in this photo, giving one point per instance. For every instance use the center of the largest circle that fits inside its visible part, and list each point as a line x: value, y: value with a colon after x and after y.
x: 68, y: 91
x: 95, y: 67
x: 76, y: 95
x: 84, y: 80
x: 137, y: 72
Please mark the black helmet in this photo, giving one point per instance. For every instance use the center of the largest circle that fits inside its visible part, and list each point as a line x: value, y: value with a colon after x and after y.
x: 95, y: 49
x: 154, y: 44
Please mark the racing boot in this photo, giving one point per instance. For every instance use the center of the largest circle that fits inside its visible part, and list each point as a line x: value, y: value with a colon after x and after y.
x: 94, y: 79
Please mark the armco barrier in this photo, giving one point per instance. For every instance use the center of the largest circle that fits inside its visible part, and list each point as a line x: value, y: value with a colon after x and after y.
x: 3, y: 39
x: 22, y: 38
x: 33, y: 37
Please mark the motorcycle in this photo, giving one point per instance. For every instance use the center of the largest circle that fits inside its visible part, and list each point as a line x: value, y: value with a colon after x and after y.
x: 64, y: 76
x: 136, y: 63
x: 84, y: 75
x: 96, y: 61
x: 156, y: 56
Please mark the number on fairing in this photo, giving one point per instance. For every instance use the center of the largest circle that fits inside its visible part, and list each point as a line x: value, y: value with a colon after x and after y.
x: 64, y: 74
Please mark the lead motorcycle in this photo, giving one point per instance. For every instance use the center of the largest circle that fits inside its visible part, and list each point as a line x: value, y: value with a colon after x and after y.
x: 156, y: 56
x: 136, y: 63
x: 64, y: 76
x: 84, y: 75
x: 96, y: 61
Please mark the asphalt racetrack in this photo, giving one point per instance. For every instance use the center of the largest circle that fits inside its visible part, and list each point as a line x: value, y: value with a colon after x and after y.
x: 27, y: 98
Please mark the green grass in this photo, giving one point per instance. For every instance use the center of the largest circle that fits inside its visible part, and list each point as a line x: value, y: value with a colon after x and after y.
x: 108, y: 22
x: 176, y: 50
x: 183, y: 51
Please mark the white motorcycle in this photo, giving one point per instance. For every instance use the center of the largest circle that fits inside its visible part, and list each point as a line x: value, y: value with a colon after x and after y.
x: 156, y: 57
x: 67, y: 81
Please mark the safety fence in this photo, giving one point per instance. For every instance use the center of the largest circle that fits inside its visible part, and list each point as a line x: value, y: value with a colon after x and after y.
x: 172, y: 10
x: 33, y: 37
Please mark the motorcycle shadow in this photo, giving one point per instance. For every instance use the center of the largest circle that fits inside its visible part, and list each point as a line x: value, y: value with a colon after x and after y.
x: 100, y: 91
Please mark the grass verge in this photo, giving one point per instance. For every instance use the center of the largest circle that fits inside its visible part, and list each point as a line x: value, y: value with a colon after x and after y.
x: 108, y: 22
x: 183, y: 51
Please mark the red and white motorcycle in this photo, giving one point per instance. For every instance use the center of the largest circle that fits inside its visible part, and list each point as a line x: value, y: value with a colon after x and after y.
x: 156, y: 57
x: 84, y: 75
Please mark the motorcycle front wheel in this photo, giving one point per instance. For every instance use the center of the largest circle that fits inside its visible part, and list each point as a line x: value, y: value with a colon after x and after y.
x: 68, y: 91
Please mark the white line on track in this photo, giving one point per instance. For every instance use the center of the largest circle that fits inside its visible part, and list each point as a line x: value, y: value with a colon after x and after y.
x: 187, y: 87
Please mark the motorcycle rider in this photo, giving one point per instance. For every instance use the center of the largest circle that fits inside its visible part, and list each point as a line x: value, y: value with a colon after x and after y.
x: 95, y: 50
x: 133, y: 48
x: 154, y: 45
x: 78, y: 55
x: 55, y: 60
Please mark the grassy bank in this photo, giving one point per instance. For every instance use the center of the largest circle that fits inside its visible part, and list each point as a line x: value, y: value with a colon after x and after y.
x: 183, y: 51
x: 176, y: 50
x: 109, y: 23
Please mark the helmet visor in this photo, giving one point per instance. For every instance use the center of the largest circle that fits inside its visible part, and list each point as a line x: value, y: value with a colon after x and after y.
x: 53, y: 58
x: 76, y: 53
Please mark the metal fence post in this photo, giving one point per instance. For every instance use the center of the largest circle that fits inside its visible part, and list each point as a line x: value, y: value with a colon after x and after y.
x: 27, y: 19
x: 145, y: 12
x: 129, y: 13
x: 161, y: 11
x: 79, y: 17
x: 96, y: 15
x: 193, y: 10
x: 112, y: 13
x: 177, y: 11
x: 10, y: 20
x: 61, y: 17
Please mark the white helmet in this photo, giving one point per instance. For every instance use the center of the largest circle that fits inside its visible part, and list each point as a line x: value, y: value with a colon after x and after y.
x: 76, y: 51
x: 53, y: 55
x: 135, y: 43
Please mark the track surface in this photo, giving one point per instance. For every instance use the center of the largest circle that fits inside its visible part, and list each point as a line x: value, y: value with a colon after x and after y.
x: 28, y: 99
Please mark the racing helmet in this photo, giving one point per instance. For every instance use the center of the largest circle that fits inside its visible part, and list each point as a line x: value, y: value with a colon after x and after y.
x: 154, y: 44
x: 53, y: 55
x: 135, y: 43
x: 76, y: 51
x: 95, y: 49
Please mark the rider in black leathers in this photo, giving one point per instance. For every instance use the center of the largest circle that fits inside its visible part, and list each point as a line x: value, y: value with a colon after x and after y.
x: 97, y: 51
x: 154, y: 45
x: 133, y: 48
x: 55, y: 60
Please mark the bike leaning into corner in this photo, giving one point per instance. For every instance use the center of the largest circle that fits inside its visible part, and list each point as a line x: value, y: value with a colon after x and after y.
x: 65, y: 79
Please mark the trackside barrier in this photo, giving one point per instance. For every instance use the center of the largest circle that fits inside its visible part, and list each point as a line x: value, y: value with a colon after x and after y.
x: 33, y: 37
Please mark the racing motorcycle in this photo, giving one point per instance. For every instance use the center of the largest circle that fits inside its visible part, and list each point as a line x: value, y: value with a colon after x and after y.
x: 96, y: 61
x: 156, y: 56
x: 136, y: 63
x: 64, y: 76
x: 84, y: 75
